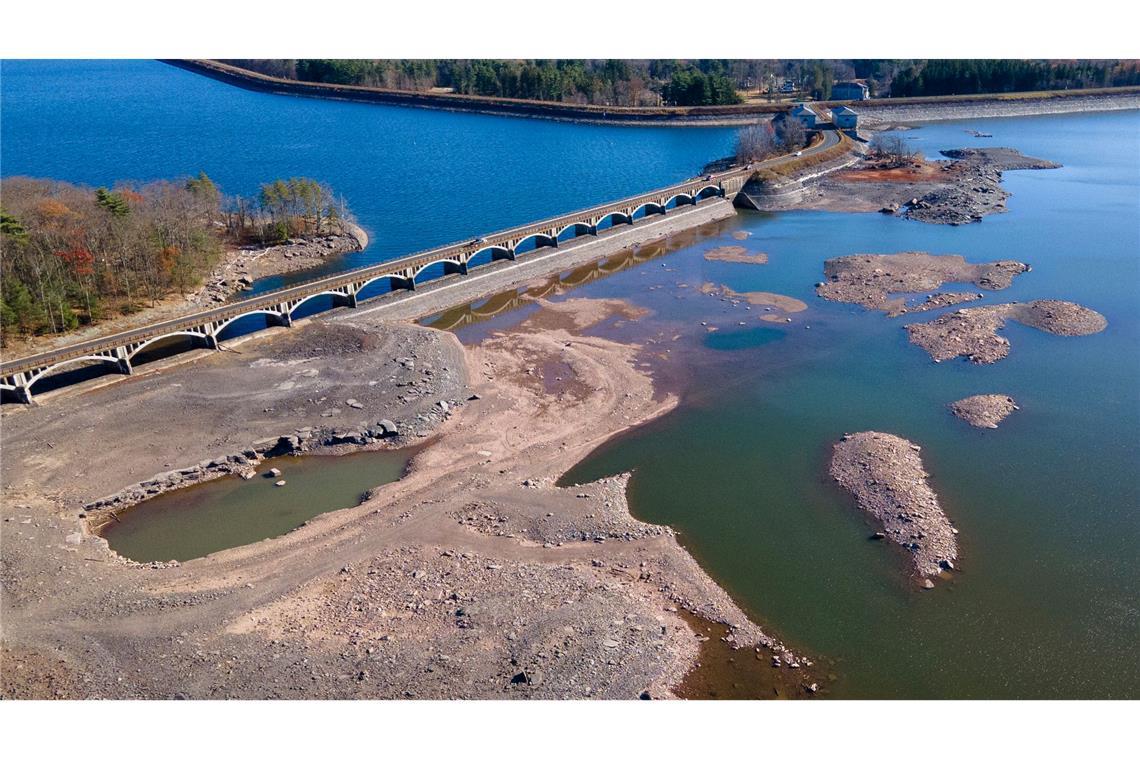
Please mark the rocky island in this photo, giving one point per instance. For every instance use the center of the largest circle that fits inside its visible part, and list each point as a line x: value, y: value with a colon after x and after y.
x: 972, y: 332
x: 984, y: 411
x: 885, y: 475
x: 870, y: 279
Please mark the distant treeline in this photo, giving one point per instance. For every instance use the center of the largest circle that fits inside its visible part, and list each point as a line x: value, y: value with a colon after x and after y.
x: 972, y: 77
x: 615, y: 82
x: 699, y: 82
x: 73, y: 255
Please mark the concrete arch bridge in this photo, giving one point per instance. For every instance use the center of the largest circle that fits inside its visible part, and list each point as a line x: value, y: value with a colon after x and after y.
x: 19, y: 377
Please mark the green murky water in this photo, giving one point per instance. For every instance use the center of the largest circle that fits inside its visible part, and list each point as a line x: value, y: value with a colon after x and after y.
x: 1047, y: 600
x: 220, y: 514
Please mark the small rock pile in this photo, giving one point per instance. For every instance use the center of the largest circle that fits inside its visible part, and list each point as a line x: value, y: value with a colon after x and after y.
x: 984, y: 411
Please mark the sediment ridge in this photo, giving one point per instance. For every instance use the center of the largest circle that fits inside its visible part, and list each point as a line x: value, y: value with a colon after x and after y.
x: 884, y: 473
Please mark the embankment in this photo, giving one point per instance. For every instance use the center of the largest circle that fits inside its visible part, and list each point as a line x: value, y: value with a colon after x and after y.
x: 616, y: 115
x: 897, y: 109
x: 1013, y: 104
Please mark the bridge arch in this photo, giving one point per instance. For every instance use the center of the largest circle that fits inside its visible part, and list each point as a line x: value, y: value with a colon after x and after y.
x: 613, y: 218
x: 273, y: 315
x: 336, y: 296
x: 54, y: 369
x: 394, y: 281
x: 657, y: 207
x: 708, y: 191
x: 580, y: 228
x: 541, y: 239
x: 689, y: 200
x: 489, y: 254
x: 167, y: 336
x: 455, y: 266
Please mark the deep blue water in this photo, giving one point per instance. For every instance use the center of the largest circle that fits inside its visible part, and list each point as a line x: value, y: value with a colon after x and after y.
x: 414, y: 178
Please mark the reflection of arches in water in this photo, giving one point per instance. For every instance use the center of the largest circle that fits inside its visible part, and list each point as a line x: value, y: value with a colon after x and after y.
x: 501, y: 303
x: 478, y: 311
x: 545, y: 289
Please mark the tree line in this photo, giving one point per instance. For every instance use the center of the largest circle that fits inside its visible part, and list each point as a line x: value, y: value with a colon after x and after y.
x: 972, y: 77
x: 74, y: 255
x: 616, y: 82
x: 697, y: 82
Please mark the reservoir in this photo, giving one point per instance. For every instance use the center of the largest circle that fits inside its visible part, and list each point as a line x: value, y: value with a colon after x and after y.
x: 1046, y: 602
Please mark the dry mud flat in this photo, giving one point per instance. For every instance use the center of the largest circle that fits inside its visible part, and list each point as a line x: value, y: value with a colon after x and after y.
x: 737, y: 254
x: 472, y: 577
x: 317, y: 385
x: 771, y: 302
x: 870, y: 279
x: 972, y: 333
x: 984, y: 411
x: 885, y: 475
x: 959, y: 191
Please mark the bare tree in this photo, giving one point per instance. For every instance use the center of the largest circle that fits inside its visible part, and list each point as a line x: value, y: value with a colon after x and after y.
x: 893, y: 149
x: 755, y: 143
x: 791, y: 133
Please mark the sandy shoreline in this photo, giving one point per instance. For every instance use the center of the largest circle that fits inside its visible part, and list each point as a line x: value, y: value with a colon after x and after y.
x: 472, y: 577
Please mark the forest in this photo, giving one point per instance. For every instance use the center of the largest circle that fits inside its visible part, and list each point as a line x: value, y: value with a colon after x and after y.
x: 74, y: 255
x: 971, y: 77
x: 700, y: 82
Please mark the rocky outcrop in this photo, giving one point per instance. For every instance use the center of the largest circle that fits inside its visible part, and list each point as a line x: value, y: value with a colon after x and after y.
x: 250, y: 263
x: 972, y: 333
x: 976, y: 188
x: 869, y: 279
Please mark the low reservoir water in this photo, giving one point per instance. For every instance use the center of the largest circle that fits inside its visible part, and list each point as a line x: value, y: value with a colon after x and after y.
x: 1046, y: 602
x: 220, y: 514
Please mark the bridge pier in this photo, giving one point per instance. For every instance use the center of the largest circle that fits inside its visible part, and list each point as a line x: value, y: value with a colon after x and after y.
x: 124, y: 361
